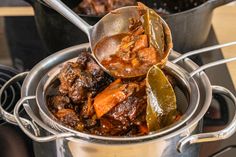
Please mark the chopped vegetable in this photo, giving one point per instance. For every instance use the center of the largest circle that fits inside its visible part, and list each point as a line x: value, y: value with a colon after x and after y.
x: 109, y: 98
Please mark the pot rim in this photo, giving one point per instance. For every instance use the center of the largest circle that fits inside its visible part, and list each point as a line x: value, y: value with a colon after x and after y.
x: 169, y: 15
x: 28, y: 87
x: 164, y: 16
x: 189, y: 10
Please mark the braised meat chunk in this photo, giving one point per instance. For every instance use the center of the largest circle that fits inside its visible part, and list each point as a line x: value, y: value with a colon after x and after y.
x: 82, y: 77
x: 70, y: 118
x: 101, y: 7
x: 58, y: 102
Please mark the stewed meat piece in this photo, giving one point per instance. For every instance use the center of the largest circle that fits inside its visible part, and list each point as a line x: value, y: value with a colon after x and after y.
x: 101, y: 7
x: 58, y: 102
x: 79, y: 78
x: 70, y: 118
x: 148, y: 55
x: 67, y: 76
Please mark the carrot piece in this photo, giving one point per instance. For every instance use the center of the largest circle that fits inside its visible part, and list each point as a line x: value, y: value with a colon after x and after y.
x: 143, y: 129
x: 141, y: 43
x: 109, y: 98
x: 177, y: 117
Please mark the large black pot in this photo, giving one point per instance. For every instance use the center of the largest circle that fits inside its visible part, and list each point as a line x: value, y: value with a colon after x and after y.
x: 190, y: 28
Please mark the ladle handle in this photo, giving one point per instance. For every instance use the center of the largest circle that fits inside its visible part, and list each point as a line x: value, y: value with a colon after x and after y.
x: 8, y: 117
x: 34, y: 136
x: 65, y: 11
x: 202, y: 50
x: 212, y: 64
x: 184, y: 143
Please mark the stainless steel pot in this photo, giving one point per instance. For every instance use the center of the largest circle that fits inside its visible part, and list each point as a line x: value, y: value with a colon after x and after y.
x: 71, y: 144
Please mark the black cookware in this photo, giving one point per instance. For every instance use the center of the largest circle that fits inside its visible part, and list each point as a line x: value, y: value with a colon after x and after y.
x: 189, y: 20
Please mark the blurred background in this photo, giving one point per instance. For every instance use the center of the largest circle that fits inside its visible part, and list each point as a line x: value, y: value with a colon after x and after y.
x: 22, y: 46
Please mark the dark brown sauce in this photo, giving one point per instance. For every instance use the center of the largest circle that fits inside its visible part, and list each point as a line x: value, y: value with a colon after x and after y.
x: 108, y: 46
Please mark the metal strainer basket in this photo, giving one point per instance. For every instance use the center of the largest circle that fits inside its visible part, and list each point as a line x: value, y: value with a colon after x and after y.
x: 187, y: 97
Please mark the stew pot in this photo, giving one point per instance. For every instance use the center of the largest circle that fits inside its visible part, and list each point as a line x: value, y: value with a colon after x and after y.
x: 174, y: 143
x: 190, y: 28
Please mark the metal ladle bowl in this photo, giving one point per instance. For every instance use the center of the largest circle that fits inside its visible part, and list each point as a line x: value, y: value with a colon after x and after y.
x: 115, y: 22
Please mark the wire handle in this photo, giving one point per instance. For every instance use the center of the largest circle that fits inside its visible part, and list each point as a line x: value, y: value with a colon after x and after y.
x: 212, y: 64
x: 184, y: 143
x: 36, y: 137
x: 8, y: 117
x: 206, y: 49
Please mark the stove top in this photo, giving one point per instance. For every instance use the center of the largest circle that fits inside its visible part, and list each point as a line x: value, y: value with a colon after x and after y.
x: 12, y: 94
x: 13, y: 142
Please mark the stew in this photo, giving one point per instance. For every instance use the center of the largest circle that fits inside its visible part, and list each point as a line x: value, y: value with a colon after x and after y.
x: 88, y: 100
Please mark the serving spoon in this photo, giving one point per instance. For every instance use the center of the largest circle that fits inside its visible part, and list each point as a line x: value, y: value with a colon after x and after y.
x: 115, y: 22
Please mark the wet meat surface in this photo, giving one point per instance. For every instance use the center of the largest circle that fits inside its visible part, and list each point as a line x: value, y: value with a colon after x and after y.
x: 101, y: 7
x: 82, y: 77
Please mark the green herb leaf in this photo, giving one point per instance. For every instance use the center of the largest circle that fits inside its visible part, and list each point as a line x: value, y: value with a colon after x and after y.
x: 161, y: 99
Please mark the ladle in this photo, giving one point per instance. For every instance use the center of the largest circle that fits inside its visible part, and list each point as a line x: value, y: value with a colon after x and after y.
x: 114, y: 23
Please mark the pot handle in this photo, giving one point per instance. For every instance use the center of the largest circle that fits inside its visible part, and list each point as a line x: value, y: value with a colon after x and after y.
x: 218, y: 3
x: 183, y: 144
x: 34, y: 136
x: 8, y: 117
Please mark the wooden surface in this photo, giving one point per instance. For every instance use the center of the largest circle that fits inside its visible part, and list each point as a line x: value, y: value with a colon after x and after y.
x: 16, y: 11
x: 224, y: 23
